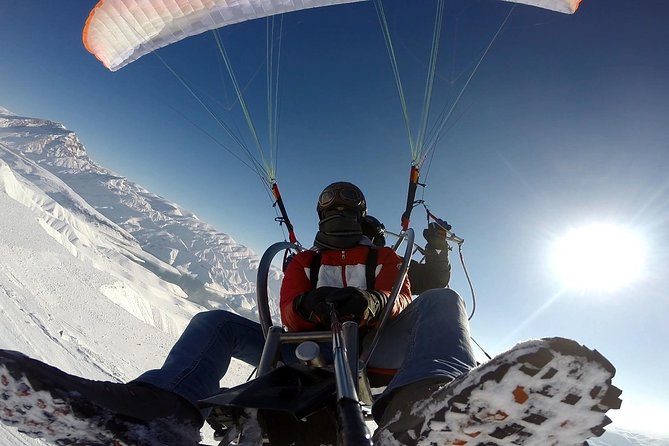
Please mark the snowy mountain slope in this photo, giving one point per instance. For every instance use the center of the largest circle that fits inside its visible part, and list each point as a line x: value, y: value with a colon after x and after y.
x: 96, y: 313
x: 209, y: 266
x: 56, y: 306
x: 107, y: 249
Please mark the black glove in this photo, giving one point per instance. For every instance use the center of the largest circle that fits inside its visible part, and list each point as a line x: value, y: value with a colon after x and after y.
x: 313, y: 307
x: 357, y: 305
x: 435, y: 235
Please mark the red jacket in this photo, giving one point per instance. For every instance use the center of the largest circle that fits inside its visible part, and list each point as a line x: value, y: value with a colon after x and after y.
x: 339, y: 269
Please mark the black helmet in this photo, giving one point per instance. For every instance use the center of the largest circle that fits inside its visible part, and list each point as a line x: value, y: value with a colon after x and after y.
x: 374, y: 230
x: 341, y: 196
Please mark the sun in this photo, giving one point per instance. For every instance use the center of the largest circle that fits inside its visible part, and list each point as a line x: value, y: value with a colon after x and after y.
x: 598, y: 257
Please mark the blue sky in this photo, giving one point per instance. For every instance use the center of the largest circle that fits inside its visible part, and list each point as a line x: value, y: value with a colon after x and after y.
x: 565, y: 123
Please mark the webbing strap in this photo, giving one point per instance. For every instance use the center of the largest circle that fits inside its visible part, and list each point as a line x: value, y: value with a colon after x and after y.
x: 370, y: 267
x: 313, y: 271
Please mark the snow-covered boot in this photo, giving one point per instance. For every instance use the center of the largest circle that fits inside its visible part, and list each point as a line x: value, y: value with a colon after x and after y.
x: 393, y: 411
x: 45, y: 402
x: 548, y: 392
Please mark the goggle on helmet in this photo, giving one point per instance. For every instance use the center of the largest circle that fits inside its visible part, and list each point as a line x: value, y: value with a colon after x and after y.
x: 341, y: 196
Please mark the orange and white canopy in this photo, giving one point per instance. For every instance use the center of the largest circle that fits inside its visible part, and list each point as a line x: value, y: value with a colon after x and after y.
x: 119, y: 32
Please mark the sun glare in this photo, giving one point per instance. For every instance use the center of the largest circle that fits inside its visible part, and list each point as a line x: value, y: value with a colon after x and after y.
x: 598, y: 257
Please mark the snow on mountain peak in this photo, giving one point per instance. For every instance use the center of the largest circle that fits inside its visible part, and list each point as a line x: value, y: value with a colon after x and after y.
x: 4, y: 111
x: 209, y: 266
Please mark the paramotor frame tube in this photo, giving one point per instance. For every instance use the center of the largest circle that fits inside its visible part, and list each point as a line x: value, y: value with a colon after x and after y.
x: 262, y: 281
x: 408, y: 238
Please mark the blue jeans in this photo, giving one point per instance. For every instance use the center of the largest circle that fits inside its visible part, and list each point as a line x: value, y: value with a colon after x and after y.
x: 429, y: 339
x: 202, y: 355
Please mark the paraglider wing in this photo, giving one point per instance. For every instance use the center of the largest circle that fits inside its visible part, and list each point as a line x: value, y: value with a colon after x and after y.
x: 565, y: 6
x: 119, y: 32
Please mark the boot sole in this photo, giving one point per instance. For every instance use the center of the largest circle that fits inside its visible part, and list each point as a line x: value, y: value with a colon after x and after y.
x: 31, y: 403
x: 549, y: 392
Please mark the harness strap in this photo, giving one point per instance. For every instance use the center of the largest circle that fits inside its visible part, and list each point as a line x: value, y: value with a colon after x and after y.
x: 315, y: 267
x: 370, y: 267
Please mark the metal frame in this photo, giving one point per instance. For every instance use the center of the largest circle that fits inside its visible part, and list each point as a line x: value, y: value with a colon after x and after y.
x: 349, y: 367
x: 262, y: 293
